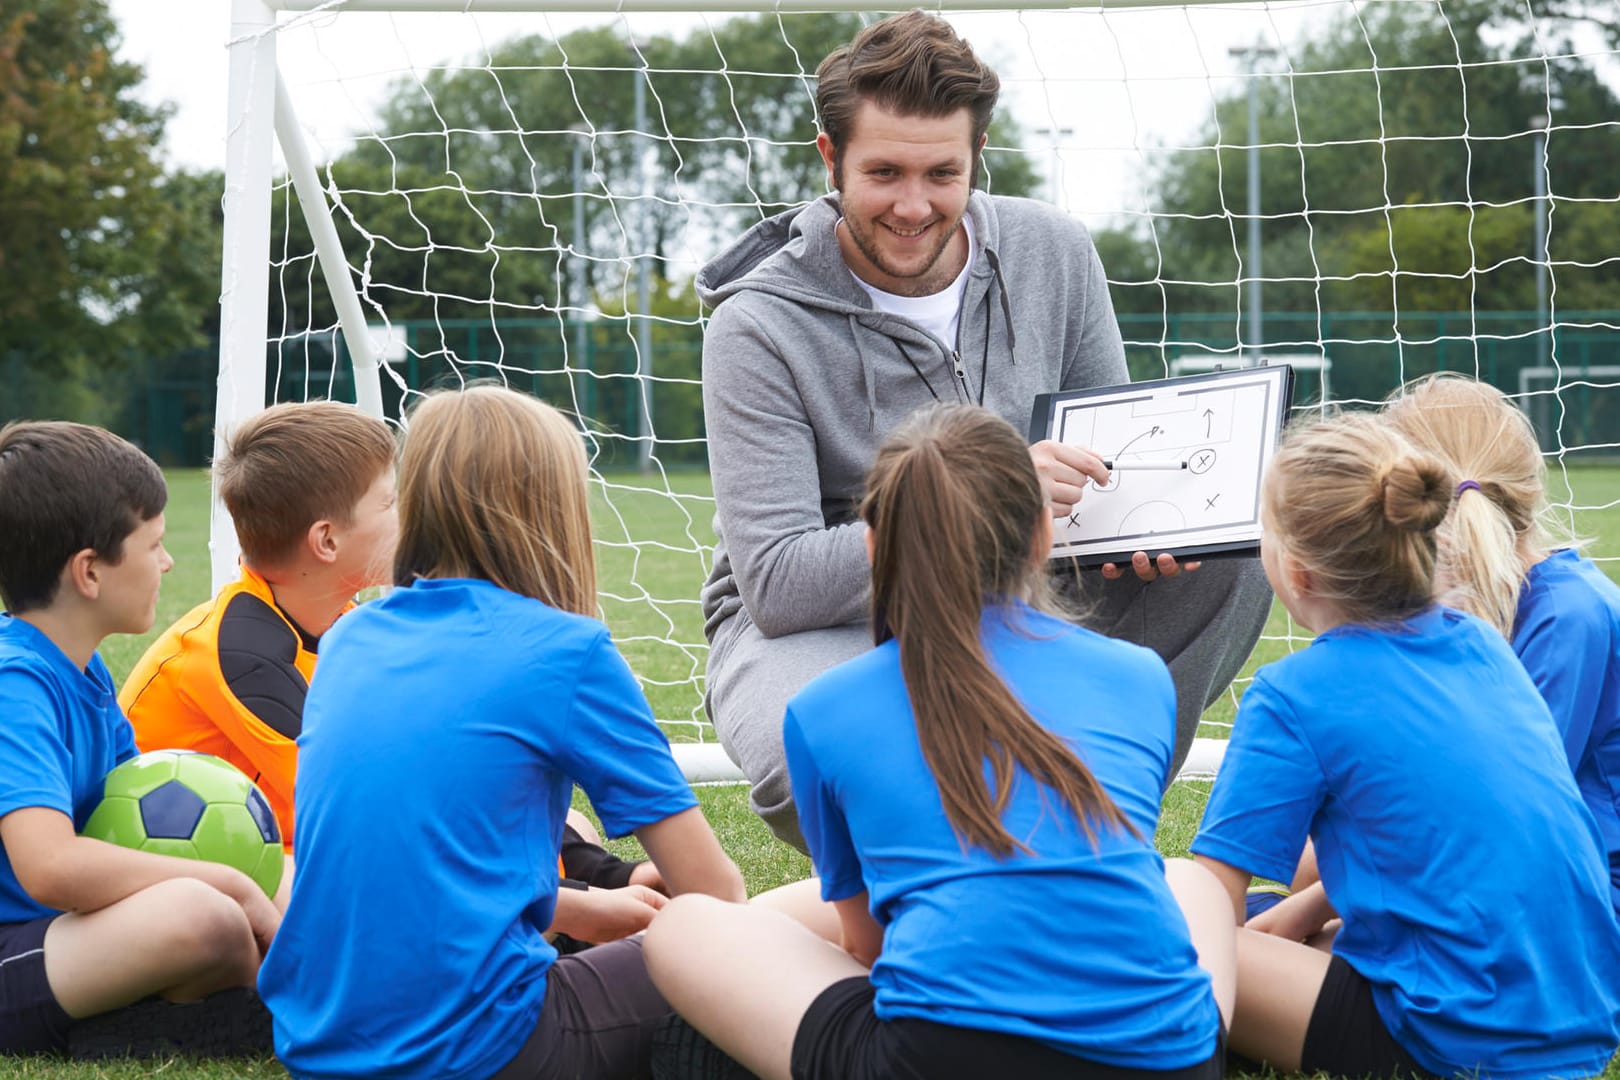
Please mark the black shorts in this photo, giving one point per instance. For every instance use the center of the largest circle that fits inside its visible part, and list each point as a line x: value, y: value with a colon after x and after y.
x: 1347, y: 1037
x: 841, y: 1038
x: 31, y: 1021
x: 598, y: 1020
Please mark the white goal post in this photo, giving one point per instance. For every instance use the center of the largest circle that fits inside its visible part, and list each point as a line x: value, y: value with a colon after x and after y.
x: 422, y: 192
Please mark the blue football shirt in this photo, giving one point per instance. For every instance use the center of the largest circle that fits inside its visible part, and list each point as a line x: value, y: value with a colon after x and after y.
x: 61, y: 732
x: 1450, y: 838
x: 1567, y: 634
x: 445, y: 729
x: 1084, y: 950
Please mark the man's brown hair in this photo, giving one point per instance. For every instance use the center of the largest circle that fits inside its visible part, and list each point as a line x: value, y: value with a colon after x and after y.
x: 295, y: 464
x: 65, y: 488
x: 914, y: 65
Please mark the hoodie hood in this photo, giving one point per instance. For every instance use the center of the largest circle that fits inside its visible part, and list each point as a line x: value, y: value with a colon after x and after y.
x: 795, y: 256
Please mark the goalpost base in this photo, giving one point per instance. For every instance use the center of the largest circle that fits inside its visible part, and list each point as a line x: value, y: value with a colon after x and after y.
x: 707, y: 763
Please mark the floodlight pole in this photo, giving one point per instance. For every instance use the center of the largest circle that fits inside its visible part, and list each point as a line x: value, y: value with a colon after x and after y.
x: 581, y: 289
x: 644, y: 439
x: 1054, y: 140
x: 1539, y: 125
x: 1252, y: 268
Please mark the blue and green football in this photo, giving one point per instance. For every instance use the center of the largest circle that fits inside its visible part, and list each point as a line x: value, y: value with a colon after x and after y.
x: 197, y: 806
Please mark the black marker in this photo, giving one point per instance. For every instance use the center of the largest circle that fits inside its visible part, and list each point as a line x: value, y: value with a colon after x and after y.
x: 1135, y: 466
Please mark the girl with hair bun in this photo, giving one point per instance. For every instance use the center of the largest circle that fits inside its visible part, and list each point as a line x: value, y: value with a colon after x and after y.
x: 1474, y: 933
x: 1498, y: 561
x: 979, y: 793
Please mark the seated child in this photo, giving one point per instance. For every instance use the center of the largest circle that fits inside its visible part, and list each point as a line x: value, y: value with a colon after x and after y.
x: 985, y: 757
x: 310, y: 489
x: 440, y: 746
x: 1409, y: 744
x: 86, y: 927
x: 1497, y: 561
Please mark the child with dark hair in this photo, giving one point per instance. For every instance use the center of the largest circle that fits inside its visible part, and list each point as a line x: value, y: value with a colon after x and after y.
x: 87, y: 927
x: 1462, y: 923
x: 986, y: 756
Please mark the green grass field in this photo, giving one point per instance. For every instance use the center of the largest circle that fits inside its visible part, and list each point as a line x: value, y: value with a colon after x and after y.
x: 651, y: 565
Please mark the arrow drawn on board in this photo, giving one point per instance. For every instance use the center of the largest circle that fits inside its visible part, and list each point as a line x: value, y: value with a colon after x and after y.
x: 1154, y: 430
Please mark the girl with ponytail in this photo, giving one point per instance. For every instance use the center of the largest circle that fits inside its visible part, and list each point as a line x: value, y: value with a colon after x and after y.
x: 1462, y: 922
x: 979, y: 793
x: 1560, y: 611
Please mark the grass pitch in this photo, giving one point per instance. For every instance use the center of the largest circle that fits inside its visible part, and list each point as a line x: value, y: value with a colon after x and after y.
x: 652, y: 534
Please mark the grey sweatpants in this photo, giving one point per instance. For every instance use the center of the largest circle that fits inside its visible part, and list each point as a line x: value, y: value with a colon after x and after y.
x: 1203, y: 624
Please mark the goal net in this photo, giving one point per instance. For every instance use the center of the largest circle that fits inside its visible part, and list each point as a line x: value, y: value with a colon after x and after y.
x: 1370, y: 190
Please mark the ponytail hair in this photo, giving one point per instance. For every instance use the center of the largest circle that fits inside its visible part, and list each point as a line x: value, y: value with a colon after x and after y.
x: 955, y: 508
x: 1495, y: 529
x: 1354, y: 502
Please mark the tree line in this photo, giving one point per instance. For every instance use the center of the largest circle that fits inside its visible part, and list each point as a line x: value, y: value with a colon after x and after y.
x: 1395, y: 177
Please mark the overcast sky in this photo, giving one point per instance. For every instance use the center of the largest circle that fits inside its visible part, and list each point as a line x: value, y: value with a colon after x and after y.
x: 1061, y: 70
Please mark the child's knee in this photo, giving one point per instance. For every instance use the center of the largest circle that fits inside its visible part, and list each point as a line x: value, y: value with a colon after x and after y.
x: 678, y: 926
x: 201, y: 923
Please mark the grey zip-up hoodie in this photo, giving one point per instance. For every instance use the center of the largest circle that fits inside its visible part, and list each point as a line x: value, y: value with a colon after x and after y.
x: 803, y: 378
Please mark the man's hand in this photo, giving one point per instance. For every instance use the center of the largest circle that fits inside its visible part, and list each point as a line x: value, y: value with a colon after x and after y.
x: 1064, y: 470
x: 1149, y: 569
x: 603, y: 915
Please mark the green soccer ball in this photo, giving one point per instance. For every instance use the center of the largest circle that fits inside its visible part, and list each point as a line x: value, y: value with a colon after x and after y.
x: 197, y: 806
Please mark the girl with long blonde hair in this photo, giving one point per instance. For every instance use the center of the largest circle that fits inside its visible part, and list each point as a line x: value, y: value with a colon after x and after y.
x: 445, y: 730
x: 1462, y: 923
x: 1499, y: 561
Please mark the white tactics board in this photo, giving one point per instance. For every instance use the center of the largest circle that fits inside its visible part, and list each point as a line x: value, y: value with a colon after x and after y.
x: 1186, y: 457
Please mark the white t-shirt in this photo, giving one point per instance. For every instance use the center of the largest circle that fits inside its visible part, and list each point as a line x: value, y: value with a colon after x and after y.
x: 938, y: 313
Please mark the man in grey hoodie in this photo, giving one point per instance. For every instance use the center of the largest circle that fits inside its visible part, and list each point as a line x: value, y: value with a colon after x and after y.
x: 835, y: 321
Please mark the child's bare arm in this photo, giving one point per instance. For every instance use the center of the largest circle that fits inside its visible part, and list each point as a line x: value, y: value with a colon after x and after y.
x: 603, y: 915
x: 685, y: 850
x: 1298, y: 916
x: 862, y: 936
x: 68, y: 872
x: 1233, y: 880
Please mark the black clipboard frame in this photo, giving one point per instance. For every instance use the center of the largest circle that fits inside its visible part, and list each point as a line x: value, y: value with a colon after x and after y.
x: 1045, y: 412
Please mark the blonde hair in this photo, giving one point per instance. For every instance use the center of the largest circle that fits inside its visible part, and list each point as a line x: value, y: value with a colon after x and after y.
x: 295, y: 464
x: 1358, y: 505
x: 492, y: 486
x: 1478, y: 432
x: 955, y: 505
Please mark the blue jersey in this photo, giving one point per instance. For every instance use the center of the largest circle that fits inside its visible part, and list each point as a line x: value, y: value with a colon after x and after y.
x: 1567, y: 634
x: 1450, y: 837
x: 61, y: 732
x: 443, y: 734
x: 1097, y: 961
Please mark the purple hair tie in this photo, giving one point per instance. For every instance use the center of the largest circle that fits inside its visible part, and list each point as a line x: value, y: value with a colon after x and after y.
x: 1468, y: 485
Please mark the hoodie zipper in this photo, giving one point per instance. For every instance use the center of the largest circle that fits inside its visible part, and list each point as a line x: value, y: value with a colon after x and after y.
x: 961, y: 375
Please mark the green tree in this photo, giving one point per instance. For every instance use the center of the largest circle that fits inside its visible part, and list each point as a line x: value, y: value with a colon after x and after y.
x: 1395, y: 174
x: 101, y: 253
x: 463, y: 206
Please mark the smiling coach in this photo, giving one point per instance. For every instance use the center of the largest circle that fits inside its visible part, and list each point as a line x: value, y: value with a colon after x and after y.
x: 834, y: 321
